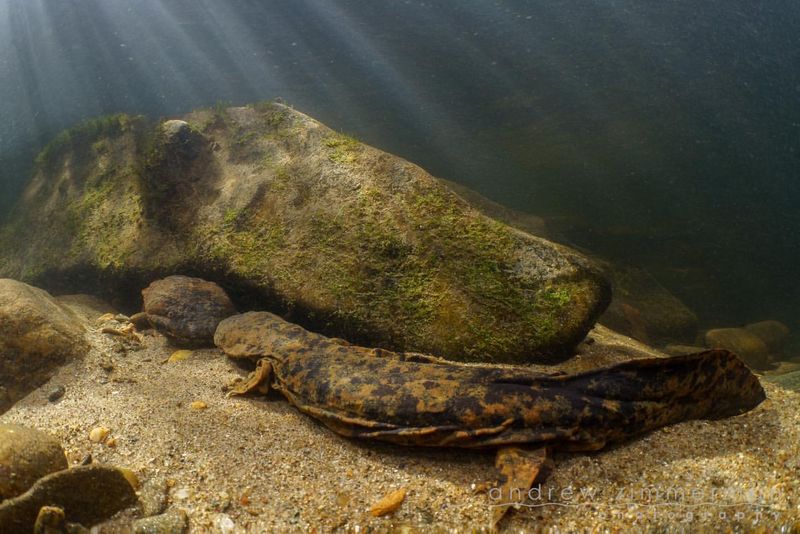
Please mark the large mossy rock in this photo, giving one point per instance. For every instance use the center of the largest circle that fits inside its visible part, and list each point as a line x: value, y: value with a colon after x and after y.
x: 291, y: 216
x: 37, y: 334
x: 641, y: 307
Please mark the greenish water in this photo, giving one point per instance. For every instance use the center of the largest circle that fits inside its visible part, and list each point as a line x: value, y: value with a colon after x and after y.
x: 663, y: 134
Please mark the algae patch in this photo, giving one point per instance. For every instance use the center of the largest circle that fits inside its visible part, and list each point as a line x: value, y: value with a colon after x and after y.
x: 349, y: 240
x: 342, y: 149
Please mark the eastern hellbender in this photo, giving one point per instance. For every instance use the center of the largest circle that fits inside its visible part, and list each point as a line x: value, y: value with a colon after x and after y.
x: 414, y: 399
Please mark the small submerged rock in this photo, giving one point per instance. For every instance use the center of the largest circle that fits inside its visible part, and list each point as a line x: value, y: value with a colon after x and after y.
x: 56, y: 393
x: 644, y: 310
x: 153, y: 496
x: 172, y: 522
x: 186, y: 309
x: 105, y: 318
x: 26, y: 455
x: 389, y: 503
x: 87, y: 495
x: 224, y: 524
x: 37, y: 334
x: 181, y: 494
x: 179, y: 356
x: 773, y: 333
x: 51, y: 520
x: 99, y: 434
x: 748, y: 346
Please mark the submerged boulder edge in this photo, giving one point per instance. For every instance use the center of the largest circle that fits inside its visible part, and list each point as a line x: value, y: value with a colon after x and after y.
x: 291, y: 216
x: 37, y: 335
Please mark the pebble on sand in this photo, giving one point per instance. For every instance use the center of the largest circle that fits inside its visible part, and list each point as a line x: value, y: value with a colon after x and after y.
x: 26, y: 455
x: 389, y: 503
x: 179, y: 356
x: 56, y: 393
x: 106, y: 317
x: 99, y: 434
x: 172, y: 522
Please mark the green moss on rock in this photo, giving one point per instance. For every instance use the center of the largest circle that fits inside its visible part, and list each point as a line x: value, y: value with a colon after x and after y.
x: 91, y: 134
x: 82, y: 205
x: 342, y: 149
x: 299, y: 219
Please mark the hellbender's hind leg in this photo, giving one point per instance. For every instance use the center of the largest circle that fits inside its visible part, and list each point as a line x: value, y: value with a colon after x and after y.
x: 519, y: 469
x: 258, y: 381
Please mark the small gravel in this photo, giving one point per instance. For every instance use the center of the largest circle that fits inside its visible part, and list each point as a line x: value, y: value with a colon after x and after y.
x: 257, y: 464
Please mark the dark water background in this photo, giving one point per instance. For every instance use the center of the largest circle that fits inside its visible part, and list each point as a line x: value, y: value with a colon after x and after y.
x: 664, y: 133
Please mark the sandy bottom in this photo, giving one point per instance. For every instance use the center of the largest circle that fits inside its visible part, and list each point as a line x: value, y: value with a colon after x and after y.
x: 260, y: 465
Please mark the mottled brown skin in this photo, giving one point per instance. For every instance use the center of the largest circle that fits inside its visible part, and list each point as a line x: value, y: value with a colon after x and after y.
x: 413, y: 399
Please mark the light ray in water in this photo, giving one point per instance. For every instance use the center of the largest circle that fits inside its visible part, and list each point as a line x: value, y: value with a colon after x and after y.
x: 615, y: 114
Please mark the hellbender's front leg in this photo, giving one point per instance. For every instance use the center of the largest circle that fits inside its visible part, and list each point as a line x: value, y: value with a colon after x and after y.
x: 258, y: 381
x: 519, y: 469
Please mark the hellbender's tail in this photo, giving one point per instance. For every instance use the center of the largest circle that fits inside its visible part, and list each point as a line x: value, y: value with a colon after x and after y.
x: 716, y: 375
x: 587, y: 410
x: 641, y: 395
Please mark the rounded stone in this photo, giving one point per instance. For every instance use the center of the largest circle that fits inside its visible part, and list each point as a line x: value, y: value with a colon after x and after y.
x: 748, y: 346
x: 37, y: 334
x: 172, y: 128
x: 173, y: 522
x: 87, y: 495
x: 773, y: 333
x: 186, y: 309
x: 26, y: 455
x: 645, y: 310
